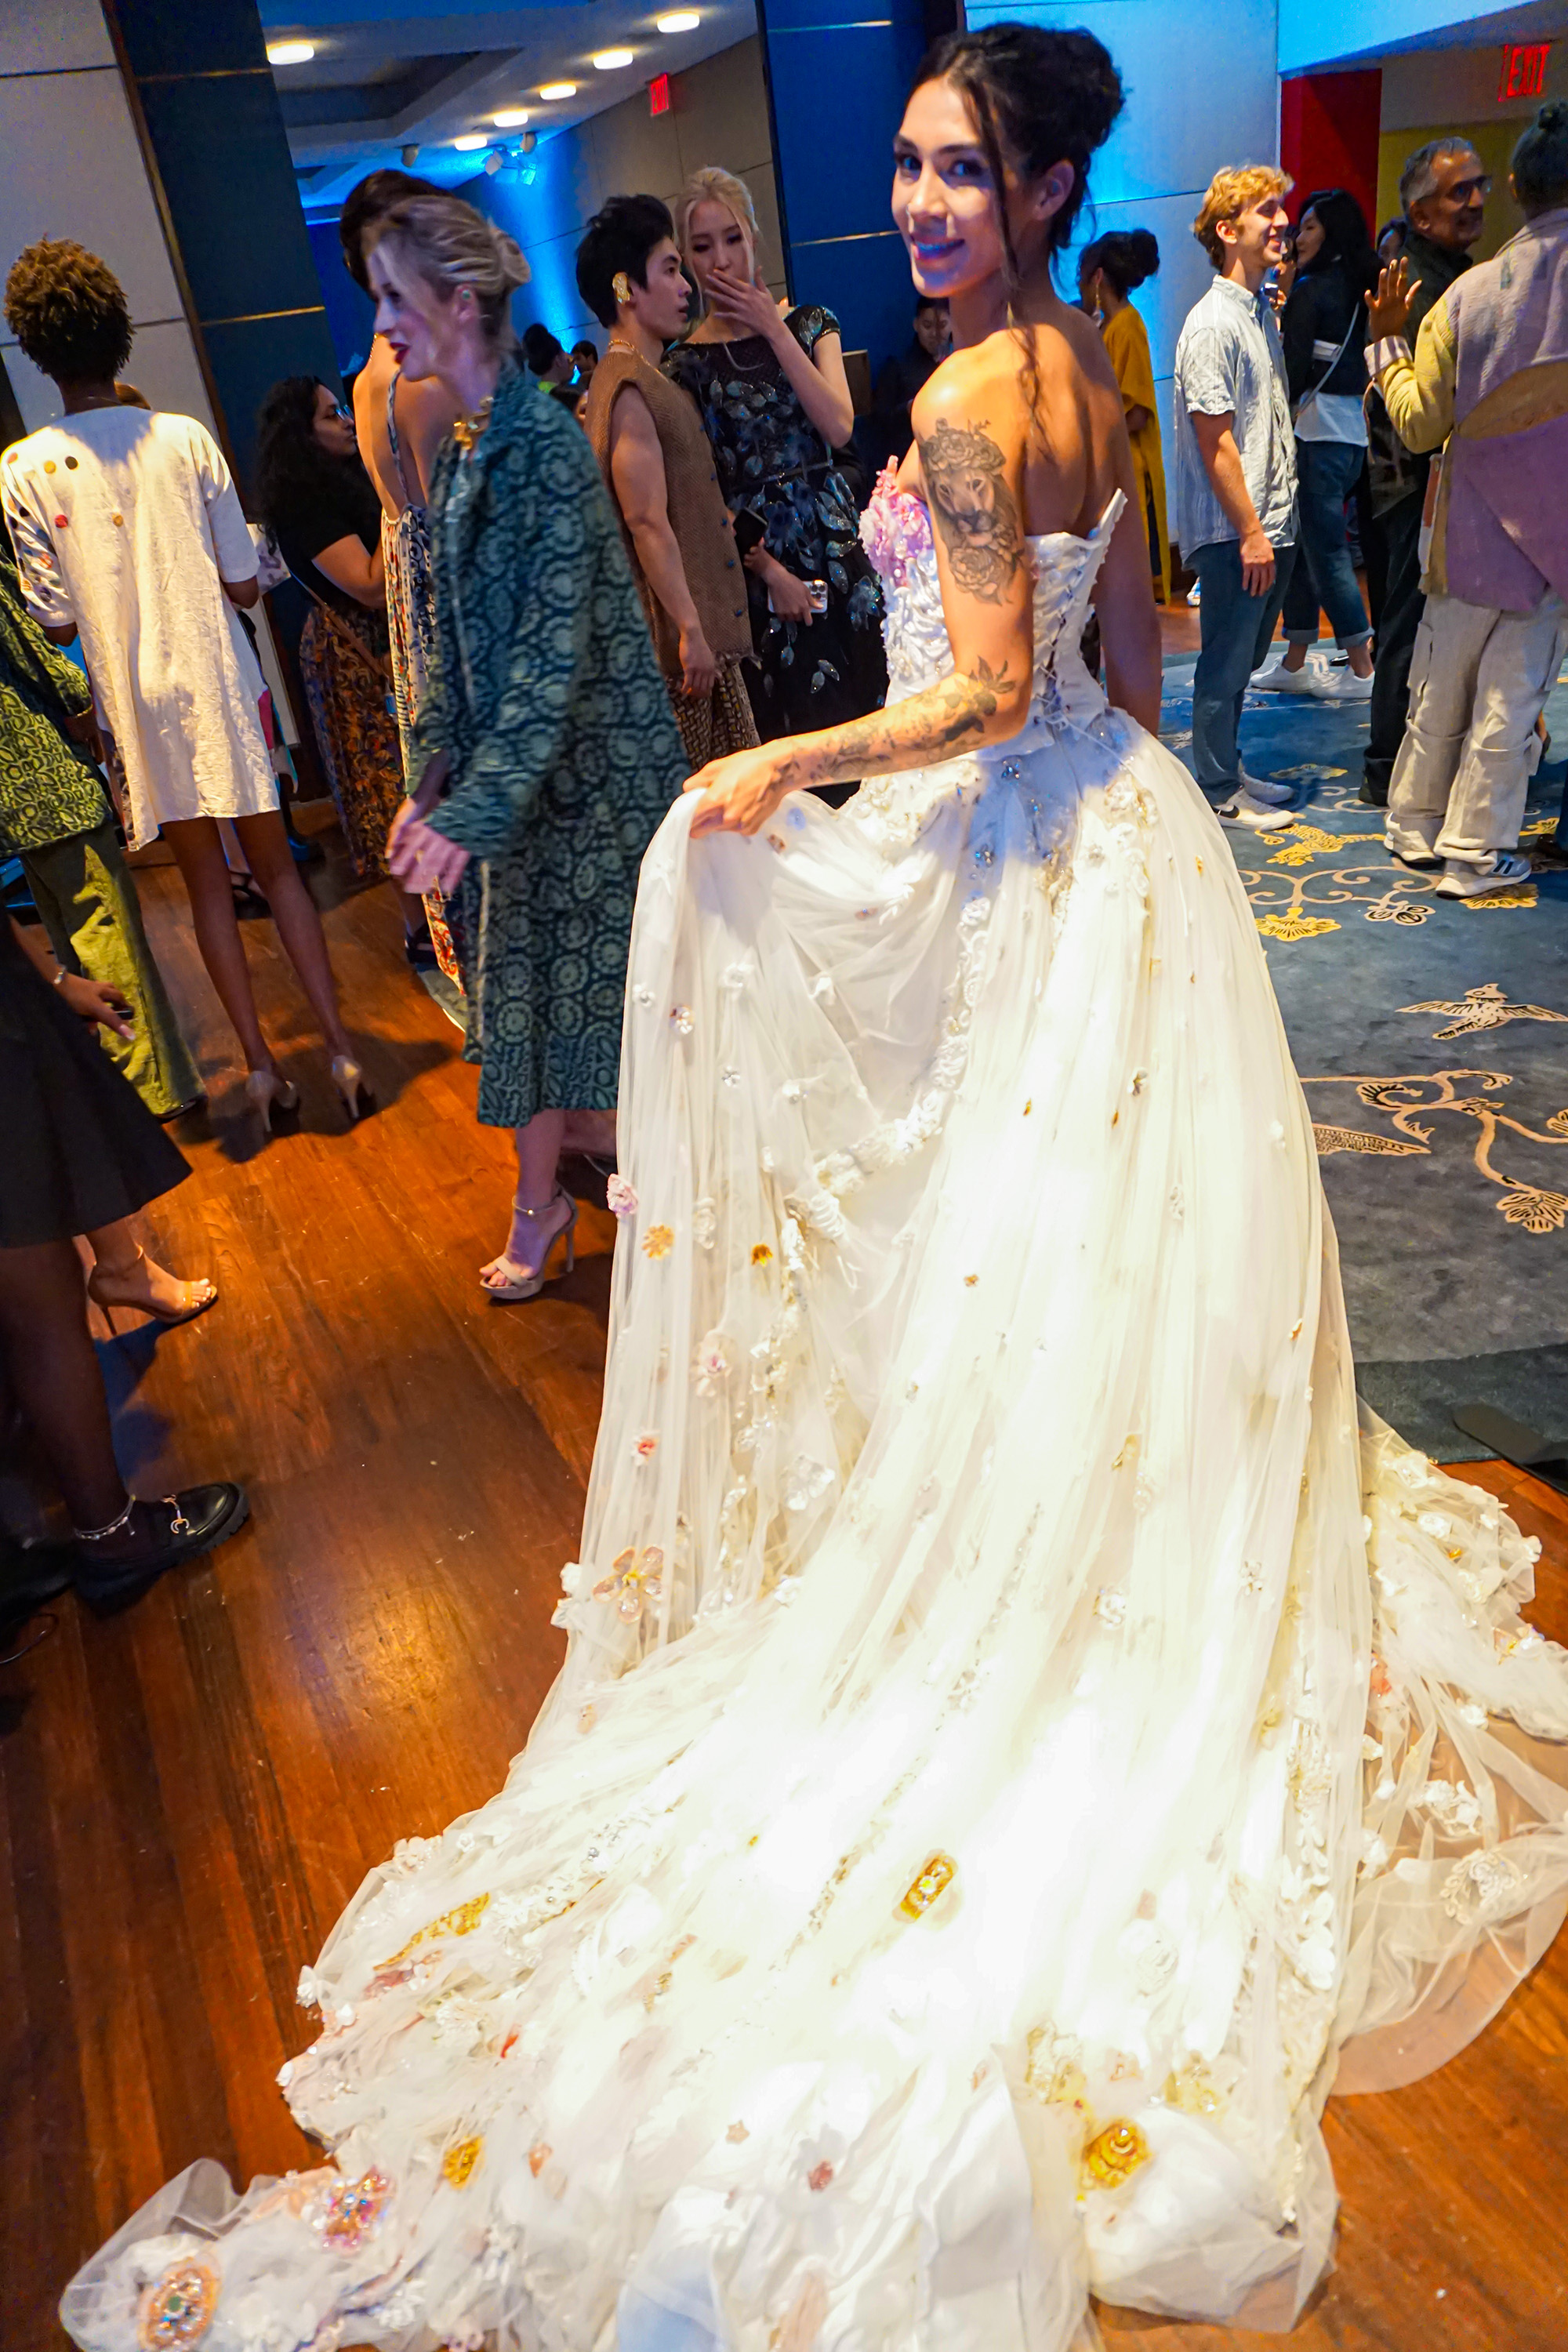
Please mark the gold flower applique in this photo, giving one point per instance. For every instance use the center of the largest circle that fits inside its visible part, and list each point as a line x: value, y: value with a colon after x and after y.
x: 458, y: 2164
x: 1115, y: 2153
x: 659, y: 1241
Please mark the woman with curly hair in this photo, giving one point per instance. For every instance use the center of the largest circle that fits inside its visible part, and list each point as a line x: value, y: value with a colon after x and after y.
x: 320, y: 507
x: 129, y: 530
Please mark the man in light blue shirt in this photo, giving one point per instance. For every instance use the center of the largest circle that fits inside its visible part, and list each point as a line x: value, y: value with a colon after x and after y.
x: 1235, y: 477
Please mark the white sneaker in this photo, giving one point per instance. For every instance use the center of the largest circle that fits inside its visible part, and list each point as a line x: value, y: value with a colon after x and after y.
x: 1277, y: 680
x: 1256, y: 815
x: 1265, y: 790
x: 1503, y: 870
x: 1343, y: 685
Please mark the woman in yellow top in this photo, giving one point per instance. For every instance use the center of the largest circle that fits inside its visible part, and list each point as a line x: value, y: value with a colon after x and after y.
x: 1108, y: 272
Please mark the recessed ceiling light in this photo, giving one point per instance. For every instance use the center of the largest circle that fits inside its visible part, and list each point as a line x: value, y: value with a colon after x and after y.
x: 685, y: 20
x: 611, y: 60
x: 509, y: 117
x: 291, y: 53
x: 552, y: 89
x: 469, y: 142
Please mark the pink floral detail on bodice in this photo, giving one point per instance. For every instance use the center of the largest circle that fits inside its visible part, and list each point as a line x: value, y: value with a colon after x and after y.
x: 895, y: 529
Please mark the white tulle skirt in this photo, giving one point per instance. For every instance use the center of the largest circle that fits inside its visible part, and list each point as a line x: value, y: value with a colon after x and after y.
x: 1020, y: 1747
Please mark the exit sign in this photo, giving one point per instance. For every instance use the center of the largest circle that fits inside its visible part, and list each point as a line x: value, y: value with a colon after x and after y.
x: 1523, y: 71
x: 659, y: 94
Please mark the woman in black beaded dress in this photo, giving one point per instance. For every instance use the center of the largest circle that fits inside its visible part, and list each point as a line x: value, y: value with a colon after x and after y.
x: 775, y: 403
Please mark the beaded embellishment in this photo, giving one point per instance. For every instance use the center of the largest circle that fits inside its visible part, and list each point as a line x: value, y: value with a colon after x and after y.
x: 177, y: 2309
x: 932, y: 1882
x: 458, y: 2164
x: 352, y: 2212
x: 634, y: 1578
x: 1115, y: 2153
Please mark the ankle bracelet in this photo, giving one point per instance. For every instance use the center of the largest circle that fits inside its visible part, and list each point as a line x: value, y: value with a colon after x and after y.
x: 97, y: 1535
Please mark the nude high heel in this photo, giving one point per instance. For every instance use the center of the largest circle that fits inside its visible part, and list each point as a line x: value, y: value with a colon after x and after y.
x: 349, y: 1081
x: 106, y: 1293
x: 532, y: 1284
x: 269, y: 1090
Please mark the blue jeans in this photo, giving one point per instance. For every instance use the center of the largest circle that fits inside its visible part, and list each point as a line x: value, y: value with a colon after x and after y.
x: 1326, y: 474
x: 1237, y: 630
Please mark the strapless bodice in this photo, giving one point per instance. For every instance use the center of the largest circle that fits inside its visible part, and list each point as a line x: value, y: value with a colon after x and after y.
x: 895, y: 532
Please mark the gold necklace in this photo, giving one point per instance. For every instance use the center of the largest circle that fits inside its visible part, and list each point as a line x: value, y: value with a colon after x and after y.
x: 468, y: 430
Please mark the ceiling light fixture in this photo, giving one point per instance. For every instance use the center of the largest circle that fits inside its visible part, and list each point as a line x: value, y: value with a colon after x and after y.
x: 470, y: 142
x: 685, y: 20
x: 291, y: 53
x: 612, y: 61
x: 553, y: 89
x: 509, y: 117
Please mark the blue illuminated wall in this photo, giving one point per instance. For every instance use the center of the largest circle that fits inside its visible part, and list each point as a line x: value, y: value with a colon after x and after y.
x: 1202, y: 91
x: 838, y: 87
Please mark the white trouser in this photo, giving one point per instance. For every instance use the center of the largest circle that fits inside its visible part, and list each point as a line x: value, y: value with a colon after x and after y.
x: 1478, y: 678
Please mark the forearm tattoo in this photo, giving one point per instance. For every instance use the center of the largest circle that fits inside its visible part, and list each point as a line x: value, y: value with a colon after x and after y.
x: 934, y: 725
x: 976, y: 513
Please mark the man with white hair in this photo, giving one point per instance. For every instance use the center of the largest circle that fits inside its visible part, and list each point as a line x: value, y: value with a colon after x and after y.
x: 1489, y: 378
x: 1443, y: 190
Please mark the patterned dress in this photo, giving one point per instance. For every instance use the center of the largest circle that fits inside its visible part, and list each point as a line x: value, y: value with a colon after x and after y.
x: 344, y: 665
x: 545, y: 692
x: 774, y: 465
x: 55, y: 816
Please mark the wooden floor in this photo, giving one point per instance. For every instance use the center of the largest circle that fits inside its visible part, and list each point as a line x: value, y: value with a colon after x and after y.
x: 189, y: 1793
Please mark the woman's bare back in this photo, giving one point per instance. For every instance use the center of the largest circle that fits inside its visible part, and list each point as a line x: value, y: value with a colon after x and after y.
x: 1067, y: 425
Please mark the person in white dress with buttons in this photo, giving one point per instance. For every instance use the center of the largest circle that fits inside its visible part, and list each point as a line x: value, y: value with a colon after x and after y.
x: 128, y: 533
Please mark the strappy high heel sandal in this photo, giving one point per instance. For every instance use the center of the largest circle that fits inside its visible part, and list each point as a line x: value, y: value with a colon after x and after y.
x: 268, y: 1091
x: 529, y: 1286
x: 349, y: 1081
x: 106, y: 1293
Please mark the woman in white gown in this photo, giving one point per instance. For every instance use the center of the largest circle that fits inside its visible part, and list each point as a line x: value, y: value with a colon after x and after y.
x: 1016, y: 1742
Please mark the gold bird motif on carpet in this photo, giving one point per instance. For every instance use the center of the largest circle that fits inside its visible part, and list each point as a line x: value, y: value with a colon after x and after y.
x: 1482, y: 1008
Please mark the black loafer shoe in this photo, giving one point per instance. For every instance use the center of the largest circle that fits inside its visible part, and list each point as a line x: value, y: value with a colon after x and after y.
x: 34, y: 1573
x: 155, y: 1537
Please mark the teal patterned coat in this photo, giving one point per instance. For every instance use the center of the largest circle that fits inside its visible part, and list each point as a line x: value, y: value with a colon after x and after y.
x: 564, y: 753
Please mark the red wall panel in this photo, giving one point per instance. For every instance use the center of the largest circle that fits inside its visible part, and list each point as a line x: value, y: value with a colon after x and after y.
x: 1329, y: 126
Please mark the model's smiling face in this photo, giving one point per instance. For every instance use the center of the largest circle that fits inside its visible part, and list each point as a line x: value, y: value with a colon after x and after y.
x: 945, y: 203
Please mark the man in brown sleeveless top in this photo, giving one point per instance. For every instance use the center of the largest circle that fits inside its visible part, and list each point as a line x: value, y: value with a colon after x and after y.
x: 649, y: 438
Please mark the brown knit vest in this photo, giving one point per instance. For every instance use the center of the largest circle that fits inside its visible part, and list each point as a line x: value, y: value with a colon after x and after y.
x: 698, y: 515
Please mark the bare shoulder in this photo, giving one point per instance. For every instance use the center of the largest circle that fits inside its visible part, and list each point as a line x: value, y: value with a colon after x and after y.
x: 975, y: 387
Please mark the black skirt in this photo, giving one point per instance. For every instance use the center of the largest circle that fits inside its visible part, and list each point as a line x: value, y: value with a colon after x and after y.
x: 79, y: 1149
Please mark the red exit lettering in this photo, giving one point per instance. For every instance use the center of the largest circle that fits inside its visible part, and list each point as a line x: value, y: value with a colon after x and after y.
x: 659, y: 94
x: 1523, y: 71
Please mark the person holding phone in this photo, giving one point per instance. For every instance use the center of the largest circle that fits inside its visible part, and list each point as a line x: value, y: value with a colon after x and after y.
x: 776, y: 404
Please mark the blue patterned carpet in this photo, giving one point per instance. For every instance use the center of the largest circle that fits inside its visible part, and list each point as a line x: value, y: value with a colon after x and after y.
x: 1432, y: 1039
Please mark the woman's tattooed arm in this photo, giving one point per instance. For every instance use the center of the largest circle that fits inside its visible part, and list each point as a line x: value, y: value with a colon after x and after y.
x: 945, y: 719
x: 974, y: 509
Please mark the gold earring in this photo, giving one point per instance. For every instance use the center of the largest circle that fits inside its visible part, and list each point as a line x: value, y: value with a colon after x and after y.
x: 621, y: 288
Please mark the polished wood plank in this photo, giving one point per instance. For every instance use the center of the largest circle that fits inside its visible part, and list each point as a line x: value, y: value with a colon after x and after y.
x: 190, y: 1794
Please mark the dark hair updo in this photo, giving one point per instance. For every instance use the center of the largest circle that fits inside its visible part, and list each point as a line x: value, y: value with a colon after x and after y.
x: 1126, y: 256
x: 1540, y: 162
x: 1039, y: 98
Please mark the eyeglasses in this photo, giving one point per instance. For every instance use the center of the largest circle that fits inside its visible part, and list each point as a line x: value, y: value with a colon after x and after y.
x: 1463, y: 190
x: 343, y: 412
